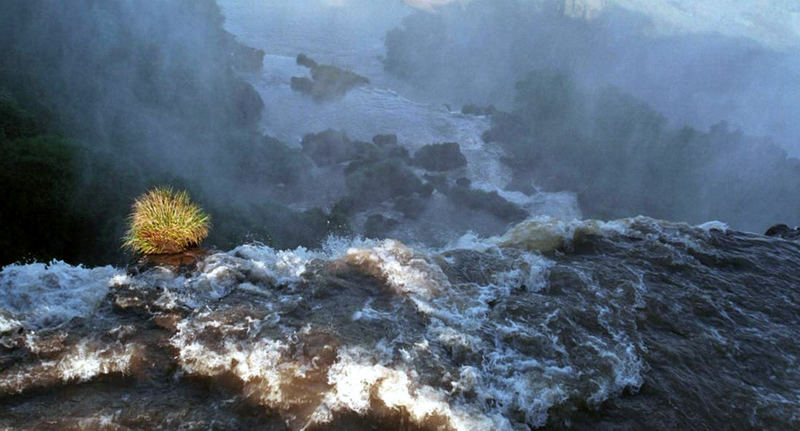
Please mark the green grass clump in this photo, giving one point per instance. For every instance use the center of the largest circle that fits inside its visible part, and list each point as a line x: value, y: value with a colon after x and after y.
x: 165, y: 221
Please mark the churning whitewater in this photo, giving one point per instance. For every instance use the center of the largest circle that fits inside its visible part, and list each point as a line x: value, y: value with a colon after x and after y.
x: 634, y: 323
x: 488, y: 301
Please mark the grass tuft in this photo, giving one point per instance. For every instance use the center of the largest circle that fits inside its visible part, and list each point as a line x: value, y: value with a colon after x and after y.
x: 165, y: 221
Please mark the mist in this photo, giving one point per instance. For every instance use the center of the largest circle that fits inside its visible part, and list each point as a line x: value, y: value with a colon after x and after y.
x: 472, y: 215
x: 474, y: 54
x: 574, y: 108
x: 701, y: 81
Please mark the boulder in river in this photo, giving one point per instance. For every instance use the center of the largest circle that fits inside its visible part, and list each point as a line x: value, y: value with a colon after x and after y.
x: 631, y: 324
x: 440, y: 157
x: 330, y: 147
x: 387, y: 140
x: 783, y: 231
x: 327, y: 82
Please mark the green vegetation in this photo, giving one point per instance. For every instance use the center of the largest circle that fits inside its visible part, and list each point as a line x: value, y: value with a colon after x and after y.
x: 118, y: 106
x: 64, y: 200
x: 165, y: 221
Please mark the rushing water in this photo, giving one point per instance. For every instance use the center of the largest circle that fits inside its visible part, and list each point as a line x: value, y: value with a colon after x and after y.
x: 352, y: 37
x: 558, y: 323
x: 635, y: 323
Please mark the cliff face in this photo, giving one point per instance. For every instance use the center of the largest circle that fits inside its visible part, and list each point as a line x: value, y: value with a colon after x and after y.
x: 141, y: 92
x: 129, y: 77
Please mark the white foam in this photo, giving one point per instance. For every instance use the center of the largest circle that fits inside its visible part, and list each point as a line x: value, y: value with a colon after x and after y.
x: 530, y: 271
x: 714, y: 225
x: 405, y: 270
x: 470, y: 241
x: 355, y: 378
x: 42, y: 295
x: 80, y: 363
x: 8, y: 323
x: 85, y: 362
x: 286, y: 265
x: 268, y: 370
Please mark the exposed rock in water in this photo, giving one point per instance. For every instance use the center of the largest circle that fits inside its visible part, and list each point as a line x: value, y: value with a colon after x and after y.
x: 270, y: 162
x: 306, y: 61
x: 247, y: 59
x: 184, y: 261
x: 376, y: 181
x: 463, y: 194
x: 327, y: 82
x: 440, y: 157
x: 506, y: 128
x: 634, y: 324
x: 331, y: 147
x: 783, y: 231
x: 388, y: 140
x: 491, y: 202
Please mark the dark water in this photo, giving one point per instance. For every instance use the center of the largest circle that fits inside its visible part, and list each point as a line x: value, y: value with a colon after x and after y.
x: 632, y: 324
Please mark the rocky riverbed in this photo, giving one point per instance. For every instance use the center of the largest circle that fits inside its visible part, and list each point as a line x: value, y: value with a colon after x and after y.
x: 590, y: 325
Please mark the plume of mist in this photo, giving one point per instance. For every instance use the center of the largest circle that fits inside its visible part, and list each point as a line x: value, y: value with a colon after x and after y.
x: 626, y: 150
x: 694, y: 74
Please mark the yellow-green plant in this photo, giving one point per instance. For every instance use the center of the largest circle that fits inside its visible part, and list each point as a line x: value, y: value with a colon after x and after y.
x: 165, y: 221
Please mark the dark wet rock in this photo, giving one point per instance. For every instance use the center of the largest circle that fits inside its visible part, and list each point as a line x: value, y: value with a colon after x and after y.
x: 506, y: 128
x: 471, y: 266
x: 306, y: 61
x: 490, y: 202
x: 247, y: 59
x: 471, y: 109
x: 332, y: 147
x: 387, y: 140
x: 377, y: 226
x: 247, y: 104
x: 398, y: 152
x: 327, y: 147
x: 377, y: 181
x: 182, y: 262
x: 783, y: 231
x: 301, y: 84
x: 440, y: 157
x: 327, y: 82
x: 391, y: 149
x: 270, y: 162
x: 475, y: 199
x: 411, y: 206
x: 632, y: 324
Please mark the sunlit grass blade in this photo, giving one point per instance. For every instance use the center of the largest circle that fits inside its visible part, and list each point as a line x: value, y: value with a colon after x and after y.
x: 165, y: 221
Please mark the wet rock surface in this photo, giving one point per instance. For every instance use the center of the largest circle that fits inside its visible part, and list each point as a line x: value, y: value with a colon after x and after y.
x: 331, y: 147
x: 634, y: 323
x: 327, y: 82
x: 783, y: 231
x: 440, y: 157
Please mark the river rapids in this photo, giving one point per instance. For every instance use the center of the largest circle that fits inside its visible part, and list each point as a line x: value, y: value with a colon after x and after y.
x: 634, y: 323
